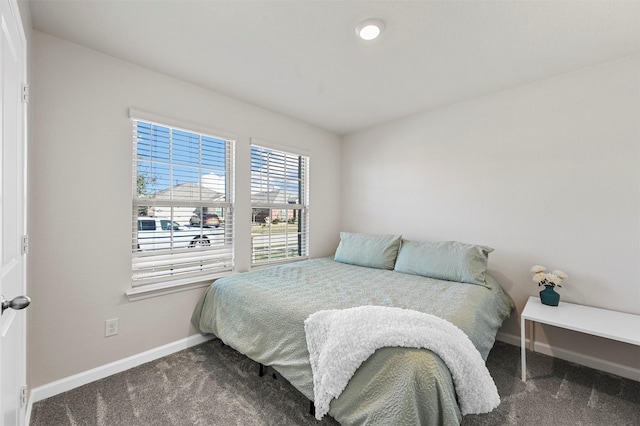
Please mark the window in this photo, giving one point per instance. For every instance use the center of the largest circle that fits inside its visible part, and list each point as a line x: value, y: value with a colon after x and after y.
x: 182, y: 229
x: 279, y: 205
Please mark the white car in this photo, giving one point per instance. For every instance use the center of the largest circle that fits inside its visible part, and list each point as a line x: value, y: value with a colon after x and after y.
x: 158, y: 233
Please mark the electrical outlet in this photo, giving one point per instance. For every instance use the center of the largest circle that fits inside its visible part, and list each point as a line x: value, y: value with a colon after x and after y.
x: 111, y: 327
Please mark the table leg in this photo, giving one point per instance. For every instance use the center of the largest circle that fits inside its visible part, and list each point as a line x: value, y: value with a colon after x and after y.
x: 523, y: 349
x: 532, y: 336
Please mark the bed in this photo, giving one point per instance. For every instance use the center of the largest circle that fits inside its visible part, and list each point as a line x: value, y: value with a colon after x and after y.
x: 261, y: 314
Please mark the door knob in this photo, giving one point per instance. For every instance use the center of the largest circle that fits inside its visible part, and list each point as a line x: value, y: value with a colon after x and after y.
x: 19, y: 302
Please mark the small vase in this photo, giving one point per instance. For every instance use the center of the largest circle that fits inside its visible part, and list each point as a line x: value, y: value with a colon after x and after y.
x: 548, y: 296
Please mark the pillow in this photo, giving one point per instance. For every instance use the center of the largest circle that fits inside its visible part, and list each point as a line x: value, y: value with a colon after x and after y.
x: 373, y: 251
x: 446, y: 260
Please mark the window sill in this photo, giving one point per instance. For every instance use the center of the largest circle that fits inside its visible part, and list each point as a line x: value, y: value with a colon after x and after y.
x: 161, y: 289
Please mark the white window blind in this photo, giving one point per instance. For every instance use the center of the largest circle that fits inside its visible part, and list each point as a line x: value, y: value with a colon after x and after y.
x: 182, y: 228
x: 279, y: 205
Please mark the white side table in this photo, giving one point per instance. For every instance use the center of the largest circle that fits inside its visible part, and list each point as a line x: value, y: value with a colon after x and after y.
x: 586, y: 319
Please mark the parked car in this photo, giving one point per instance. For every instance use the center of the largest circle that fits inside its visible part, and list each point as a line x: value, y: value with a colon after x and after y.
x: 158, y: 233
x: 211, y: 220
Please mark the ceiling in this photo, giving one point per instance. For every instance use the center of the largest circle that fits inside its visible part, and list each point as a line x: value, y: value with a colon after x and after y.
x: 302, y: 59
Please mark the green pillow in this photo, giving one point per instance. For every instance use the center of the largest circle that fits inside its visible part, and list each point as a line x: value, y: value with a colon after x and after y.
x: 372, y: 251
x: 446, y: 260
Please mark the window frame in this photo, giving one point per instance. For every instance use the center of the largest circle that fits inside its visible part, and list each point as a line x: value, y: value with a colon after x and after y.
x: 302, y: 205
x: 143, y: 288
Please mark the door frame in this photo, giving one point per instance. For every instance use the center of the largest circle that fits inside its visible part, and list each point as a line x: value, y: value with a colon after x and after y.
x: 24, y: 407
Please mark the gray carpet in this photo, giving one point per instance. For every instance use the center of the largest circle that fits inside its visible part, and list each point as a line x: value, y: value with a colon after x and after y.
x: 211, y: 384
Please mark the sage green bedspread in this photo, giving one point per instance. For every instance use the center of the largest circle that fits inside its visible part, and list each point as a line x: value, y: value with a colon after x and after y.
x: 261, y: 314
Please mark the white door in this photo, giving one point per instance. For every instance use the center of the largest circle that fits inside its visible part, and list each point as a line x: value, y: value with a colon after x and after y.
x: 12, y: 216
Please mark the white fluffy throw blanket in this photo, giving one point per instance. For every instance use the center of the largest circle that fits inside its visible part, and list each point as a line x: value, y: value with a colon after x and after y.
x: 339, y: 340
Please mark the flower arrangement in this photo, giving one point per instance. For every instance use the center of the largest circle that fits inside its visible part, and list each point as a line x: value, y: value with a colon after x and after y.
x: 542, y: 277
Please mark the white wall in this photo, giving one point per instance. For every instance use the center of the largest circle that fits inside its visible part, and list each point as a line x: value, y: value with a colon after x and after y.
x: 547, y: 173
x: 80, y: 201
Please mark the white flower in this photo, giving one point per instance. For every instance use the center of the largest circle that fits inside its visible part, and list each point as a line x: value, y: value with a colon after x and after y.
x: 552, y: 278
x: 539, y: 277
x: 560, y: 274
x: 542, y: 277
x: 537, y: 269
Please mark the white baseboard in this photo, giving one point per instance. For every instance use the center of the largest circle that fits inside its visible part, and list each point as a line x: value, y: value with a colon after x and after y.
x: 72, y: 382
x: 575, y: 357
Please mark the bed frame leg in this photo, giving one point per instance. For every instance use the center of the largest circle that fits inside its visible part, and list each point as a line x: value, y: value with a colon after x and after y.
x: 312, y: 408
x: 261, y: 372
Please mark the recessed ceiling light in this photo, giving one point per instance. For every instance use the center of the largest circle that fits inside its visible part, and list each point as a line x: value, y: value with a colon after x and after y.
x: 369, y: 29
